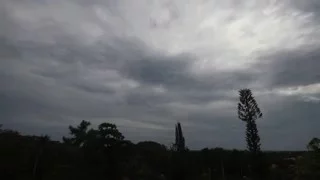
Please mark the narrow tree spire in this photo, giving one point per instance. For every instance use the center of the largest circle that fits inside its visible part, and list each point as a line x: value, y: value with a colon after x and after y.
x: 180, y: 141
x: 249, y: 112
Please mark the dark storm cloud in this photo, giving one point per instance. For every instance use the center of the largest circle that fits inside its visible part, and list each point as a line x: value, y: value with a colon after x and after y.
x: 46, y: 87
x: 295, y: 123
x: 52, y: 84
x: 310, y: 6
x: 294, y: 68
x: 159, y: 71
x: 57, y: 69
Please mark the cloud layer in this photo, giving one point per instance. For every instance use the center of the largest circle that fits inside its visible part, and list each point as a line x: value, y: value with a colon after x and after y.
x: 144, y: 65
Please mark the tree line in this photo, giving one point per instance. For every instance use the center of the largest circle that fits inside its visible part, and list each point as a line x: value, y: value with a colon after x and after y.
x: 104, y: 153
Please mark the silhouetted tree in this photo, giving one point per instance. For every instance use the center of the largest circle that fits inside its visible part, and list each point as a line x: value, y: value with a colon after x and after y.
x: 180, y: 141
x: 249, y: 112
x: 109, y: 135
x: 102, y: 147
x: 179, y: 159
x: 79, y: 134
x: 308, y: 165
x: 314, y: 144
x: 154, y: 156
x: 103, y: 153
x: 106, y: 136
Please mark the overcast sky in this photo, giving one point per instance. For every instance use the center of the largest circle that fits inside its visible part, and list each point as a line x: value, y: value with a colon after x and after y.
x: 146, y: 64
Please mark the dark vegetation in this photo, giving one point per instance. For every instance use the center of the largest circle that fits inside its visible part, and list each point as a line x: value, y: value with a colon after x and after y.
x: 104, y: 153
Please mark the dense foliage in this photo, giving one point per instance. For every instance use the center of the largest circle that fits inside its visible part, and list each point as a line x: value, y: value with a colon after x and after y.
x: 249, y: 112
x: 104, y: 153
x: 34, y: 157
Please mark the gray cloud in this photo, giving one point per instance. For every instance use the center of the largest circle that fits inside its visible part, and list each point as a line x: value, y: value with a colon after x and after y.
x: 146, y: 65
x: 294, y: 68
